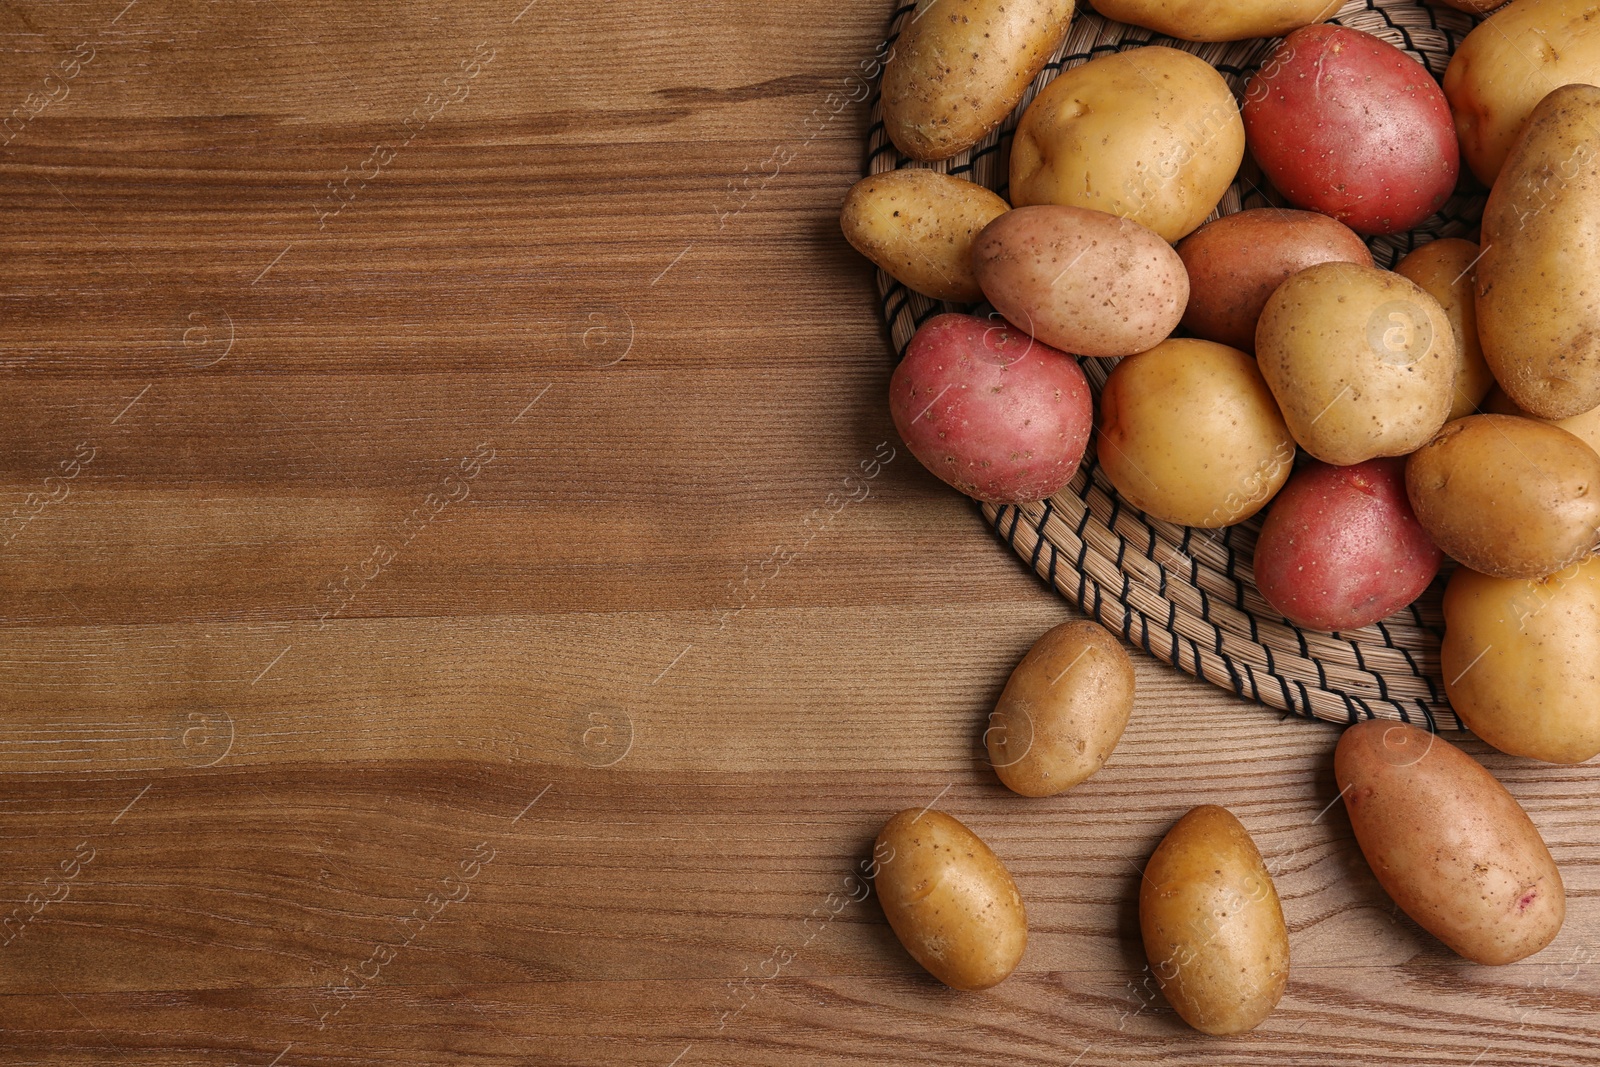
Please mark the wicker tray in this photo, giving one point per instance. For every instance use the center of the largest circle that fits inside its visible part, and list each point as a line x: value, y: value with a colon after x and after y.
x: 1187, y: 596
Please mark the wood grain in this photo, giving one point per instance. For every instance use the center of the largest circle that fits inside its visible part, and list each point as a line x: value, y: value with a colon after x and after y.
x: 503, y: 480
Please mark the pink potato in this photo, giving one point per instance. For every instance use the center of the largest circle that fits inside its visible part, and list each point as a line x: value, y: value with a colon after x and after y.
x: 997, y: 414
x: 1348, y: 125
x: 1341, y: 547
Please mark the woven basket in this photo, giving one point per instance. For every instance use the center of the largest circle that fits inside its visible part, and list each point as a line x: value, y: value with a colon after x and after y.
x: 1187, y: 596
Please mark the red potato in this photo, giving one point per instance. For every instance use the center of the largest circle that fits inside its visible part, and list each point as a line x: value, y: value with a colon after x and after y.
x: 1341, y: 547
x: 1348, y: 125
x: 997, y: 414
x: 1237, y: 261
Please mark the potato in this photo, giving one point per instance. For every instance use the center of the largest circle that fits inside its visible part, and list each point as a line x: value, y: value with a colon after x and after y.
x: 1189, y: 433
x: 919, y: 226
x: 960, y: 66
x: 950, y: 900
x: 1082, y: 281
x: 1448, y: 843
x: 1347, y: 124
x: 1508, y: 64
x: 1513, y: 498
x: 1537, y: 302
x: 1151, y: 134
x: 1444, y: 269
x: 1586, y: 426
x: 1361, y: 361
x: 1236, y: 262
x: 1062, y: 711
x: 990, y: 410
x: 1474, y: 7
x: 1219, y: 20
x: 1212, y: 924
x: 1341, y: 547
x: 1521, y: 660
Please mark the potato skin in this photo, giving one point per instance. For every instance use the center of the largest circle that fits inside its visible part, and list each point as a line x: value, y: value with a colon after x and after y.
x: 1062, y: 712
x: 1507, y: 65
x: 1448, y: 843
x: 1521, y: 660
x: 1083, y: 281
x: 1341, y: 547
x: 1537, y: 303
x: 949, y: 899
x: 1444, y: 268
x: 919, y: 226
x: 1190, y: 434
x: 1586, y: 426
x: 1152, y: 134
x: 1513, y: 498
x: 1236, y: 262
x: 990, y: 410
x: 1219, y: 20
x: 1212, y: 925
x: 960, y: 66
x: 1328, y: 105
x: 1361, y: 361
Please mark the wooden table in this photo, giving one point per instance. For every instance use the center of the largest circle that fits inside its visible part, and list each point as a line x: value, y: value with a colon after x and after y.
x: 416, y: 649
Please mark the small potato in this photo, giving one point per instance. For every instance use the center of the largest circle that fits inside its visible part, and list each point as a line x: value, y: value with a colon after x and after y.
x: 1152, y: 134
x: 1521, y: 660
x: 1062, y: 712
x: 919, y: 226
x: 1586, y: 426
x: 1444, y: 269
x: 1341, y: 547
x: 1362, y: 361
x: 1347, y: 124
x: 1212, y: 924
x: 1537, y: 303
x: 1513, y: 498
x: 1507, y: 65
x: 950, y: 900
x: 1237, y: 261
x: 960, y: 66
x: 1219, y: 20
x: 1448, y: 843
x: 1189, y: 433
x: 1083, y: 281
x: 990, y: 410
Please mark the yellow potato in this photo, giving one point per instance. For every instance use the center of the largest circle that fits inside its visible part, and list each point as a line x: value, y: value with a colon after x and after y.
x: 1062, y: 712
x: 960, y: 66
x: 1444, y: 269
x: 949, y: 899
x: 1212, y: 924
x: 1448, y: 843
x: 1361, y: 361
x: 1152, y: 134
x: 1586, y: 426
x: 919, y: 226
x: 1537, y: 302
x: 1219, y: 20
x: 1508, y: 64
x: 1189, y: 433
x: 1513, y: 498
x: 1521, y: 660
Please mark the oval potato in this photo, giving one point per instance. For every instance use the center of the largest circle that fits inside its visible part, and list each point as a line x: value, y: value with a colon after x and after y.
x: 1521, y: 660
x: 919, y: 226
x: 1212, y: 924
x: 1219, y: 20
x: 949, y: 899
x: 1082, y: 281
x: 960, y: 66
x: 1361, y: 361
x: 1513, y: 498
x: 1444, y: 268
x: 1062, y: 712
x: 1448, y: 843
x: 1152, y: 134
x: 1585, y: 427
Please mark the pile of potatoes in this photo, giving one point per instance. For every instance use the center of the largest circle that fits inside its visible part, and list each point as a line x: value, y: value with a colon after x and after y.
x: 1384, y: 421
